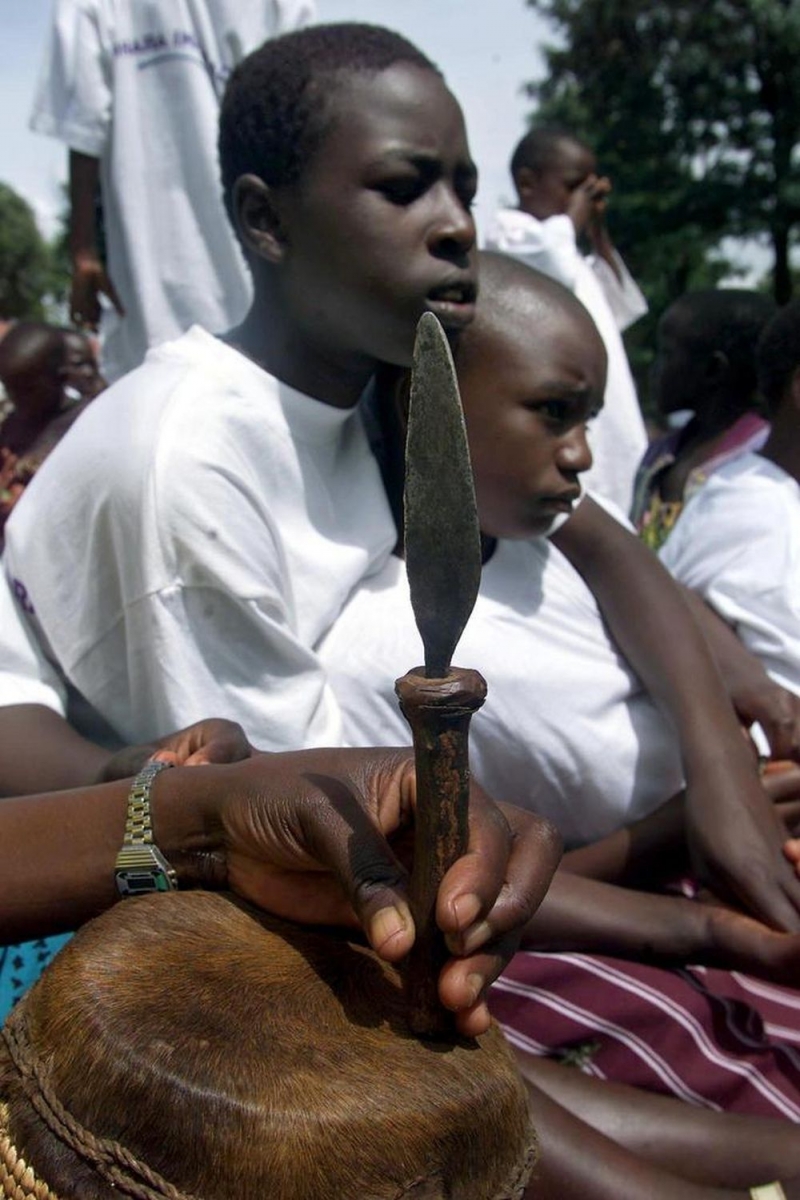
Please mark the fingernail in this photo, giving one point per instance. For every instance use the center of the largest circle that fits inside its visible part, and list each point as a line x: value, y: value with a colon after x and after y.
x: 387, y: 924
x: 466, y: 908
x: 474, y: 986
x: 476, y: 936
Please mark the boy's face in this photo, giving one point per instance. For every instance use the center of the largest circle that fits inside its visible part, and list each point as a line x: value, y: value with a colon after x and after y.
x: 378, y: 230
x: 548, y: 191
x: 527, y: 400
x: 79, y: 371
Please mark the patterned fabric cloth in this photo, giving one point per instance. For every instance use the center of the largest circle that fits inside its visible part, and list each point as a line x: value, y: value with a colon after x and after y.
x: 655, y: 518
x: 21, y: 966
x: 716, y: 1039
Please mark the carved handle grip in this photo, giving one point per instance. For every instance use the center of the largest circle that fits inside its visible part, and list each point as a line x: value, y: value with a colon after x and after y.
x: 439, y: 712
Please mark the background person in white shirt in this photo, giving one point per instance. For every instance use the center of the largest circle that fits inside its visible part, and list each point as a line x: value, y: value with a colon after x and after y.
x: 737, y: 541
x: 134, y: 91
x: 561, y: 198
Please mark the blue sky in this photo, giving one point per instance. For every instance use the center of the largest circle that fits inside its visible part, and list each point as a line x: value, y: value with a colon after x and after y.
x: 486, y: 48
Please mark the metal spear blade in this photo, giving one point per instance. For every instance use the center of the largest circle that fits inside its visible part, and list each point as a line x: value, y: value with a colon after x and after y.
x: 442, y: 536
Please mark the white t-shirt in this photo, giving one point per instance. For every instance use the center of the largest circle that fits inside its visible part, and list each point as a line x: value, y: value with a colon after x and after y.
x: 737, y: 543
x: 617, y: 436
x: 25, y: 675
x: 138, y: 85
x: 188, y: 543
x: 567, y: 729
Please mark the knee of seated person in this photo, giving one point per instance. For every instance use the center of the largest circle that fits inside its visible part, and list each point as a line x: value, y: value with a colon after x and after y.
x: 183, y: 1043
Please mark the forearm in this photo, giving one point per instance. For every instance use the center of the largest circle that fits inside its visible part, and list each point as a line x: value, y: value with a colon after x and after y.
x: 603, y: 247
x: 643, y: 854
x: 59, y: 848
x: 41, y: 752
x: 737, y: 666
x: 653, y: 626
x: 84, y: 175
x: 595, y: 917
x: 709, y: 1147
x: 755, y: 696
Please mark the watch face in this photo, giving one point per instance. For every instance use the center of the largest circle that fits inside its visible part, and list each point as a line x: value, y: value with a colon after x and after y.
x: 139, y: 883
x: 141, y: 868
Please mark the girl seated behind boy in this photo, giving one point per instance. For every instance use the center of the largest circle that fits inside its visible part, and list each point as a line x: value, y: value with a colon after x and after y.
x: 737, y: 542
x: 568, y: 675
x: 588, y: 719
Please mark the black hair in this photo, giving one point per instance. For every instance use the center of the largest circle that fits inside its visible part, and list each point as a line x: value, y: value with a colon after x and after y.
x: 729, y: 321
x: 778, y: 355
x: 31, y: 346
x: 539, y: 147
x: 274, y: 111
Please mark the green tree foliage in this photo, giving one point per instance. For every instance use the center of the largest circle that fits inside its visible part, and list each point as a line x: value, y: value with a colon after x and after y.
x: 33, y: 273
x: 693, y: 111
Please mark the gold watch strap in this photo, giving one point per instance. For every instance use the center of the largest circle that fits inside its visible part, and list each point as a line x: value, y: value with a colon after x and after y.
x: 140, y: 866
x: 138, y: 825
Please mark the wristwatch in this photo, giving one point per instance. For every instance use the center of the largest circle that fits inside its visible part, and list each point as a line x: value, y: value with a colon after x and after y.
x: 140, y: 866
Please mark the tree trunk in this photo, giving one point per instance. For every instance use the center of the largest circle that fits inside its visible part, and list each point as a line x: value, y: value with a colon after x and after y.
x: 781, y: 275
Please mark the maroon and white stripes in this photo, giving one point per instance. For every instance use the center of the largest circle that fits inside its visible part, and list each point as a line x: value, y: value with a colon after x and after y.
x: 713, y: 1038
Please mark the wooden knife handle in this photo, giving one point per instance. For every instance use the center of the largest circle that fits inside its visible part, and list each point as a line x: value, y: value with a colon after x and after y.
x: 439, y: 712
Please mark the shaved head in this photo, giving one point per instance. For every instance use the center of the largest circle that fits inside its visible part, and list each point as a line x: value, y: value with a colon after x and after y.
x: 532, y: 370
x: 516, y: 302
x: 28, y: 348
x: 541, y: 146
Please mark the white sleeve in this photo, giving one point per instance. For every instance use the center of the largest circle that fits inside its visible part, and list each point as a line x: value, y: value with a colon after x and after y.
x: 744, y: 560
x: 218, y: 639
x: 73, y: 100
x: 625, y: 297
x: 549, y: 246
x: 25, y: 675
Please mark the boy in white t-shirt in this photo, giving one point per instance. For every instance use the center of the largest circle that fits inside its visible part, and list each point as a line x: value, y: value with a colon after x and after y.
x: 186, y: 548
x: 737, y: 541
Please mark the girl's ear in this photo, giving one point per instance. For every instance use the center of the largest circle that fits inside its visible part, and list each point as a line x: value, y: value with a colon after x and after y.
x: 257, y: 218
x: 717, y: 367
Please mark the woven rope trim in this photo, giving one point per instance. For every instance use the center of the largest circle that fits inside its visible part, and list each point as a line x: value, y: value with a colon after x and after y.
x: 17, y: 1179
x: 519, y: 1182
x: 115, y: 1164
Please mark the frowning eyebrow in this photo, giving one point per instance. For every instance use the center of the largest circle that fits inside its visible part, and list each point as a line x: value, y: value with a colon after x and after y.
x: 569, y: 391
x: 423, y: 159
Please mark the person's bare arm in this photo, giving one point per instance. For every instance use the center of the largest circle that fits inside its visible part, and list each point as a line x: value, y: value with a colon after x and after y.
x: 41, y: 752
x: 755, y: 696
x: 593, y: 917
x: 647, y: 853
x: 603, y: 1141
x: 733, y: 833
x: 89, y: 277
x: 597, y: 229
x: 316, y: 836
